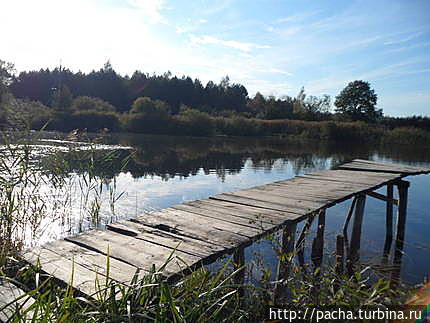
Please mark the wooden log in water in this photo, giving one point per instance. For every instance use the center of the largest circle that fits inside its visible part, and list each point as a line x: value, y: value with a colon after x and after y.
x: 356, y: 232
x: 402, y: 187
x: 388, y: 224
x: 285, y: 260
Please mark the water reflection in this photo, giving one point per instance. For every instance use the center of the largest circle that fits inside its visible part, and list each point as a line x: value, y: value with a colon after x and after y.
x: 162, y: 171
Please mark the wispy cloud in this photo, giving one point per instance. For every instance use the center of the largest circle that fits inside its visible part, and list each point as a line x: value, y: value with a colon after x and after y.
x: 405, y: 39
x: 297, y: 17
x: 279, y: 71
x: 151, y: 9
x: 404, y: 48
x: 243, y: 46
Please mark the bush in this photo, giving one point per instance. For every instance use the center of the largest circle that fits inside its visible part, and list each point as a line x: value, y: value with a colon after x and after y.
x: 85, y: 103
x: 150, y: 107
x: 195, y: 123
x: 146, y: 123
x: 93, y: 121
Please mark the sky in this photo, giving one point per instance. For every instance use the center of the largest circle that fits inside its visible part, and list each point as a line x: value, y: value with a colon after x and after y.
x: 271, y: 46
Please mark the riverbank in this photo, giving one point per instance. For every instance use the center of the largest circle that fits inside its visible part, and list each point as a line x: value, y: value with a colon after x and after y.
x: 196, y: 123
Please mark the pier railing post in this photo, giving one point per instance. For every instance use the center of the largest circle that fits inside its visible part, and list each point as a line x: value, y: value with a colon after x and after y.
x: 388, y: 224
x: 356, y: 232
x: 318, y: 243
x: 286, y: 258
x: 239, y: 262
x: 402, y: 187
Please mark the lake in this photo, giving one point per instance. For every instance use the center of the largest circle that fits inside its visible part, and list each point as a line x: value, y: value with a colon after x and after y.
x: 163, y: 171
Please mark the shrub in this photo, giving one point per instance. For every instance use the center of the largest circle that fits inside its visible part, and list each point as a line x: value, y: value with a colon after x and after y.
x: 196, y: 123
x: 84, y: 103
x: 93, y: 120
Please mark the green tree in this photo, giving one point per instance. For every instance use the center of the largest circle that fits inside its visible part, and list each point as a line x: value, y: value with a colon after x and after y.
x: 6, y: 74
x: 82, y: 103
x: 357, y: 101
x: 62, y: 98
x: 149, y: 107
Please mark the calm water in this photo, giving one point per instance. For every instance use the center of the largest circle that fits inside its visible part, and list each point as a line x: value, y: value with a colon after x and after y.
x: 165, y: 170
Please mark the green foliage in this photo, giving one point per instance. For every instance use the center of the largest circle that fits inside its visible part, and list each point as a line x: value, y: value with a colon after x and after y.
x: 150, y: 108
x: 82, y: 103
x: 195, y: 123
x: 6, y: 74
x: 62, y: 98
x: 357, y: 101
x: 93, y: 120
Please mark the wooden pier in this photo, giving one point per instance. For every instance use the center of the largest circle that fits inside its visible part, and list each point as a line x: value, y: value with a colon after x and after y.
x: 199, y: 232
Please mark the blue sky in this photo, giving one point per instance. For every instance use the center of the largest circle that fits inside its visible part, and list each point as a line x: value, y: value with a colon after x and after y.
x: 271, y: 46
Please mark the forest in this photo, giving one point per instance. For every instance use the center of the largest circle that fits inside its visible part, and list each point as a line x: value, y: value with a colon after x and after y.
x: 104, y: 100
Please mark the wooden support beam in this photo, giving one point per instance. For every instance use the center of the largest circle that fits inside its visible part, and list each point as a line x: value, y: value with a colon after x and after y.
x: 300, y: 244
x: 339, y: 254
x: 239, y: 262
x: 285, y: 259
x: 402, y: 187
x: 356, y: 232
x: 388, y: 224
x: 340, y: 247
x: 318, y: 242
x: 388, y: 199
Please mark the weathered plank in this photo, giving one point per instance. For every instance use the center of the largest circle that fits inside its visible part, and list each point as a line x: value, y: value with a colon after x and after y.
x: 136, y: 252
x: 10, y: 304
x: 383, y: 167
x: 78, y: 276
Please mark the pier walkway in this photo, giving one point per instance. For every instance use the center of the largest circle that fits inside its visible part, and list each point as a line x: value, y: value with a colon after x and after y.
x: 198, y: 232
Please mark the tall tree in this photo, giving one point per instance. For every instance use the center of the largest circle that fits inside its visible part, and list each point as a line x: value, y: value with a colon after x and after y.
x: 6, y: 73
x: 357, y: 101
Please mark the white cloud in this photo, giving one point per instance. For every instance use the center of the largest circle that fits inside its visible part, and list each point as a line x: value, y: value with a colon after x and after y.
x: 405, y: 39
x: 150, y: 9
x: 279, y: 71
x: 243, y: 46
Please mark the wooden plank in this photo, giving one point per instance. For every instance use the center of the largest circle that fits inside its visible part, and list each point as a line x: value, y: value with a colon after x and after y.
x: 409, y: 168
x: 263, y: 204
x: 228, y: 218
x: 296, y: 205
x: 94, y: 261
x: 9, y: 293
x: 202, y: 231
x: 166, y: 239
x: 138, y: 253
x: 63, y: 269
x: 248, y: 212
x: 373, y: 166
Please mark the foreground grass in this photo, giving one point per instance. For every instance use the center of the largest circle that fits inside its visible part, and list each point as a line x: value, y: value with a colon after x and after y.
x: 201, y: 296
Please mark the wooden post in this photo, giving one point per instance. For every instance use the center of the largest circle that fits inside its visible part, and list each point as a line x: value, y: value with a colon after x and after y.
x: 239, y: 262
x: 356, y: 232
x: 388, y: 224
x: 402, y: 187
x: 318, y: 243
x: 339, y: 254
x: 339, y: 261
x: 300, y: 244
x: 284, y: 264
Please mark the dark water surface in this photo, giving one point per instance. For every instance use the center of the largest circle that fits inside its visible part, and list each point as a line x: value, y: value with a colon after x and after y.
x: 165, y: 171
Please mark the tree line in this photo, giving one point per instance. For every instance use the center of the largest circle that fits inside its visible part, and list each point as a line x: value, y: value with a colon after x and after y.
x: 105, y: 99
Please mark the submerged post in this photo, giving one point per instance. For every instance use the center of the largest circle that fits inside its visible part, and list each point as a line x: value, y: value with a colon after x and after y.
x: 285, y: 259
x: 300, y: 245
x: 356, y: 232
x: 239, y: 262
x: 402, y: 187
x: 388, y: 224
x: 318, y: 243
